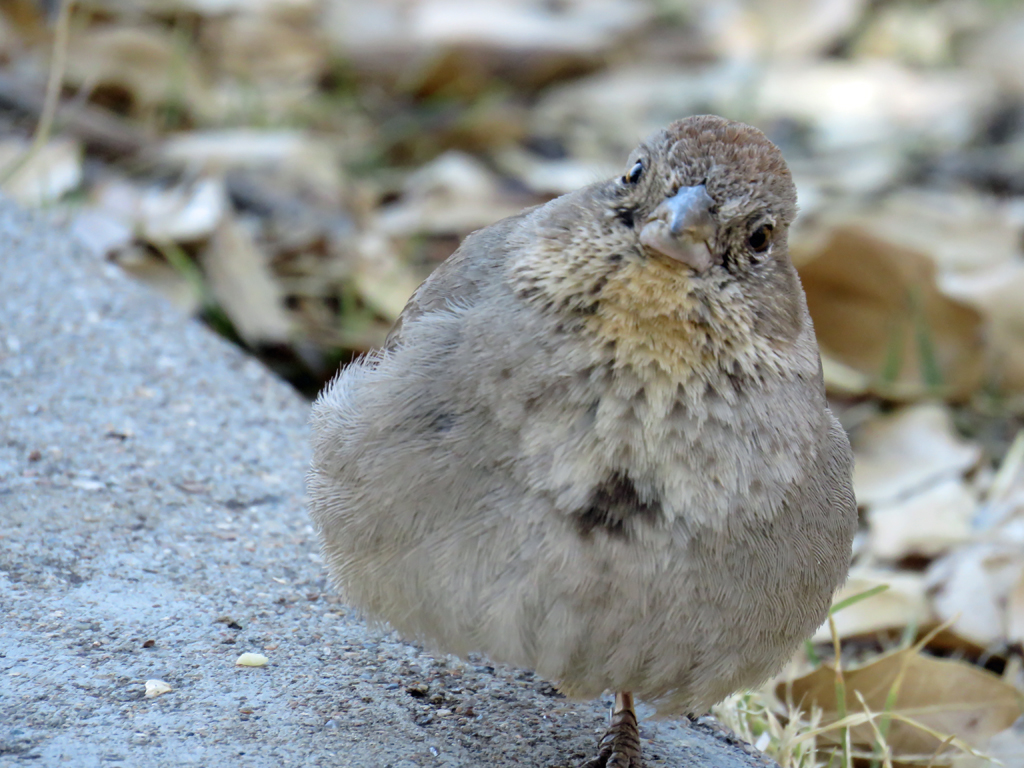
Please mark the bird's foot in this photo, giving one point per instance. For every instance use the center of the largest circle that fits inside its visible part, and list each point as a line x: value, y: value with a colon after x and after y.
x: 620, y: 745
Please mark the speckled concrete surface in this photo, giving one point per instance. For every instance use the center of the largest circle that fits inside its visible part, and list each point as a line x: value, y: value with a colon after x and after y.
x: 152, y: 527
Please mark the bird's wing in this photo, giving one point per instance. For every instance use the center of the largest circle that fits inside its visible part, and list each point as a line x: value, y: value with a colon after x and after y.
x: 460, y: 278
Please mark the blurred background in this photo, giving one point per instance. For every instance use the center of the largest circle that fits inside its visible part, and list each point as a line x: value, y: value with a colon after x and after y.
x: 290, y: 170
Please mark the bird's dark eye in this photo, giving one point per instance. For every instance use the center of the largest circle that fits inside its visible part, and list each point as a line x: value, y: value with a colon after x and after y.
x: 760, y: 238
x: 635, y: 173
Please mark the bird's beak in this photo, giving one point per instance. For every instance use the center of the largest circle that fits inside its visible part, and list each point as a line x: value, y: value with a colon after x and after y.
x: 682, y: 228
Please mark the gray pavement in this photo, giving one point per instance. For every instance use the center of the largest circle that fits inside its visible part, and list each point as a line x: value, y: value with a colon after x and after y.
x: 152, y: 527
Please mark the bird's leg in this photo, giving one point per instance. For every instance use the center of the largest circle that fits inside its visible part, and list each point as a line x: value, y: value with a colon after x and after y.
x: 620, y: 745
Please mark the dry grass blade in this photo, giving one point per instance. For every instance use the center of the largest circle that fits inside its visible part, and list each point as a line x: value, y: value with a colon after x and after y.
x: 58, y: 65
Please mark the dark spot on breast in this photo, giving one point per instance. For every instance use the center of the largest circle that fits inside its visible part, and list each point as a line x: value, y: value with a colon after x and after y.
x: 528, y: 293
x: 615, y: 258
x: 598, y: 285
x: 625, y: 215
x: 613, y: 504
x: 442, y: 422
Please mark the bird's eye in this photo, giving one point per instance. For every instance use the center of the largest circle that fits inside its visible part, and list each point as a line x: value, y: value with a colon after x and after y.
x: 760, y: 238
x: 635, y: 173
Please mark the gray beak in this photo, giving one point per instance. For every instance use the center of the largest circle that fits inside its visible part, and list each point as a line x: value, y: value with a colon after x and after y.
x: 682, y: 227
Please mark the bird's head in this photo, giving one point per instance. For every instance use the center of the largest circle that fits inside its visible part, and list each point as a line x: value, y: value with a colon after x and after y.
x: 709, y: 193
x: 683, y: 259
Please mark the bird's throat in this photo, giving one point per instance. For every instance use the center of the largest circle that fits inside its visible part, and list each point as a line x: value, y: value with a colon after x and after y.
x: 654, y: 315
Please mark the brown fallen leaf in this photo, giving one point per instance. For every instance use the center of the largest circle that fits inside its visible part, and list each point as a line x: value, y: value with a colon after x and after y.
x: 383, y: 280
x: 877, y: 308
x: 265, y: 49
x: 950, y: 697
x: 995, y: 293
x: 144, y: 62
x: 243, y: 285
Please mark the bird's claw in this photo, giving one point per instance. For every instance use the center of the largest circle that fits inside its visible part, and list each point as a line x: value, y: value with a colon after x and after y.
x: 620, y: 745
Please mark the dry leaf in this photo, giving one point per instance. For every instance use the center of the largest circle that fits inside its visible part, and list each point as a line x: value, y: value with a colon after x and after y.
x: 894, y: 108
x: 926, y: 523
x: 41, y: 177
x: 892, y: 104
x: 906, y: 451
x: 959, y: 231
x: 972, y: 586
x: 526, y: 42
x: 904, y: 603
x: 553, y: 177
x: 525, y: 27
x: 182, y: 213
x: 454, y: 194
x: 788, y: 29
x: 598, y: 118
x: 381, y: 279
x: 996, y: 294
x: 292, y: 162
x: 209, y: 7
x: 263, y: 49
x: 243, y: 285
x: 974, y: 243
x: 146, y: 63
x: 999, y: 51
x: 842, y: 380
x: 876, y: 308
x: 913, y: 34
x: 1006, y: 746
x: 219, y: 150
x: 951, y: 697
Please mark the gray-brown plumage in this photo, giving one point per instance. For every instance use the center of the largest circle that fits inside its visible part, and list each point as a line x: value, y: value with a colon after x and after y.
x: 596, y: 443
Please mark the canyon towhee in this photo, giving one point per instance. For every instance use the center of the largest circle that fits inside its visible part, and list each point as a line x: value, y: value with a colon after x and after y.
x: 596, y: 443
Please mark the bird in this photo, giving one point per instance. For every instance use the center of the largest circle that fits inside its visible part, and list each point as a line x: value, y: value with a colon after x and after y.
x: 596, y: 443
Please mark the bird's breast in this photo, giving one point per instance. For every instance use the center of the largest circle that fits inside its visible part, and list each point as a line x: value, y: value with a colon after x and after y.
x: 639, y: 448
